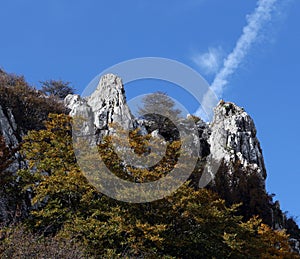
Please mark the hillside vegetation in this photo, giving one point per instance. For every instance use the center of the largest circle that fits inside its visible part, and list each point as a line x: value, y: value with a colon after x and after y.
x: 67, y: 217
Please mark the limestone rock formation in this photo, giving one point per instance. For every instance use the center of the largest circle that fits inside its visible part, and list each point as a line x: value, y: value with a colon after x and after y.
x: 233, y: 138
x: 105, y: 106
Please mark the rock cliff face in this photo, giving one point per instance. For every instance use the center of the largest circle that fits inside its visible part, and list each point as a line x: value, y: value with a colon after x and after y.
x: 8, y: 129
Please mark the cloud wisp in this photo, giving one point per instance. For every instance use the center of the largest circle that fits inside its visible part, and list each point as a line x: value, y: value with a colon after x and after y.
x: 210, y: 61
x: 255, y: 22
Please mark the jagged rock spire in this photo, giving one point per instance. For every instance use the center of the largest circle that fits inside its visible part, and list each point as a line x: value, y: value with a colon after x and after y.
x: 233, y: 138
x: 106, y: 105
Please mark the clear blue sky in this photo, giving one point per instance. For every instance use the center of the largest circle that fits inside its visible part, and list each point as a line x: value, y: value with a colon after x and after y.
x: 75, y: 40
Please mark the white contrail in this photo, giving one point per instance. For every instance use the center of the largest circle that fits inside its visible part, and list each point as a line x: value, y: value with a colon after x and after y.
x: 255, y: 21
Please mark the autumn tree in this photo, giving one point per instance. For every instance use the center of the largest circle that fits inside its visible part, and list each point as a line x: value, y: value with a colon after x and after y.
x: 27, y: 105
x: 62, y: 188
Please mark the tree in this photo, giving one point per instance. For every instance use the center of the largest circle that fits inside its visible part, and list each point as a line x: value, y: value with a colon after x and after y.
x: 160, y: 109
x: 52, y: 163
x: 28, y: 106
x: 257, y: 240
x: 57, y: 88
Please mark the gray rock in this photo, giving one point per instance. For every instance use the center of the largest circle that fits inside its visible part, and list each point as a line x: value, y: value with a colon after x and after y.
x: 233, y: 138
x: 8, y: 127
x: 109, y: 101
x: 106, y: 106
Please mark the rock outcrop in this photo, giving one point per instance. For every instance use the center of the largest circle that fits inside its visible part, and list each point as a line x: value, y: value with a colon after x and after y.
x: 105, y: 106
x: 8, y: 130
x: 233, y: 138
x: 230, y: 137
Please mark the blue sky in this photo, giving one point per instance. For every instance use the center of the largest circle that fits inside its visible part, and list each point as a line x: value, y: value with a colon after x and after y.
x: 76, y: 40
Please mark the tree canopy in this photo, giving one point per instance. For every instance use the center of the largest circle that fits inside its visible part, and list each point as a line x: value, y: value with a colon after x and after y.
x: 191, y: 223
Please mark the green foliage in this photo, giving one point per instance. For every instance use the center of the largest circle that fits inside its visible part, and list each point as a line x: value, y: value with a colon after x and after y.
x: 57, y: 88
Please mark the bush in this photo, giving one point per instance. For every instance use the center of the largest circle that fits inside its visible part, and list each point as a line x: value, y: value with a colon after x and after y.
x: 18, y: 242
